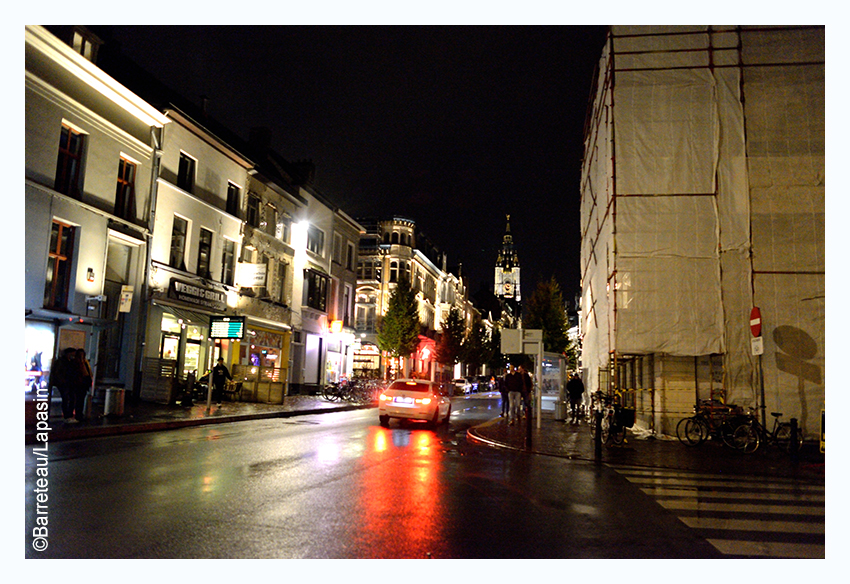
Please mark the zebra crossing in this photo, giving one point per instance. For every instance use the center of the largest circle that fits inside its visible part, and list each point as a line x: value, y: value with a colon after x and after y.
x: 741, y: 516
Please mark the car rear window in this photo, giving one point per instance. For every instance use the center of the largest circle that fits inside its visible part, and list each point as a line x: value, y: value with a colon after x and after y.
x: 410, y: 386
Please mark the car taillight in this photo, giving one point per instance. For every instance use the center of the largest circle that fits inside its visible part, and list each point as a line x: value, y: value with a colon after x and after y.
x: 385, y: 397
x: 423, y: 400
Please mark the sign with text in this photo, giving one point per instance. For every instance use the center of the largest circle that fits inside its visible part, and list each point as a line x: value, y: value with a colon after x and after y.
x: 227, y: 327
x: 197, y: 295
x: 125, y: 303
x: 250, y: 275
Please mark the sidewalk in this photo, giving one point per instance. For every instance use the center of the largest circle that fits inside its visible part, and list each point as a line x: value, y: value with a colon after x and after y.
x: 147, y: 417
x: 561, y: 439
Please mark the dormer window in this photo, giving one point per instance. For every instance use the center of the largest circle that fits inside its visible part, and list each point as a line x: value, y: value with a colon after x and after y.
x: 86, y: 44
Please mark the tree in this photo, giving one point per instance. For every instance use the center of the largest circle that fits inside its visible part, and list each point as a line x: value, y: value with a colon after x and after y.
x: 546, y: 310
x: 476, y: 346
x: 399, y: 330
x: 451, y: 340
x: 497, y: 359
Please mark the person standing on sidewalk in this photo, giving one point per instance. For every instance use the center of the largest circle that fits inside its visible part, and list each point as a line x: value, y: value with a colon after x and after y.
x: 575, y: 389
x: 220, y: 375
x: 62, y: 378
x: 503, y: 391
x: 513, y: 383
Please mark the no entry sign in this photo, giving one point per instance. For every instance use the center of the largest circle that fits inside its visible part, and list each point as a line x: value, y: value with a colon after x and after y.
x: 755, y: 321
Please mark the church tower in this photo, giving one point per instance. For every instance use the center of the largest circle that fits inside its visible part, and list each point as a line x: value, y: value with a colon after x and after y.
x: 507, y: 270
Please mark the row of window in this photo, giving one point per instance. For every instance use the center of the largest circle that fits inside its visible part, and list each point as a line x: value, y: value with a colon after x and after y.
x: 69, y: 173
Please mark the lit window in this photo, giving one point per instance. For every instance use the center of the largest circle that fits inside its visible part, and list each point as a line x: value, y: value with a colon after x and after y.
x: 125, y: 191
x: 59, y: 261
x: 69, y: 172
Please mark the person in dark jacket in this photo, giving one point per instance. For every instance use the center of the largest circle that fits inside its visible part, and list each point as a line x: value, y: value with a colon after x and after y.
x: 513, y: 384
x: 62, y: 378
x: 575, y: 389
x: 220, y: 375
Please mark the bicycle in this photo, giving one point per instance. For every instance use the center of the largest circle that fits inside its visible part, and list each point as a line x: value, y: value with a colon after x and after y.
x: 615, y: 420
x: 749, y: 435
x: 711, y: 418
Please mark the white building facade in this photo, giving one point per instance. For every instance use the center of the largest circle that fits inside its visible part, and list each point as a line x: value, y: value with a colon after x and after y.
x: 91, y: 154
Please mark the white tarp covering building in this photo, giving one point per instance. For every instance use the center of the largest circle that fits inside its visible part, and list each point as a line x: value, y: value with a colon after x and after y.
x: 703, y: 196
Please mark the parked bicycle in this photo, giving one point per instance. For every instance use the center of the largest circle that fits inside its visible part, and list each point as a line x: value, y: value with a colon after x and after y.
x: 750, y: 434
x: 615, y: 419
x: 357, y: 391
x: 711, y: 418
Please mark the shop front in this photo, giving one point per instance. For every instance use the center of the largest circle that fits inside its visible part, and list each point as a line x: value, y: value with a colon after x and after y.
x: 262, y: 363
x: 366, y: 360
x: 179, y: 343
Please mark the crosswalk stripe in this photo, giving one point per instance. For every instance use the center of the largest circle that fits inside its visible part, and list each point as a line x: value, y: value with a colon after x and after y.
x: 741, y: 515
x: 771, y: 549
x: 674, y: 492
x: 691, y: 505
x: 762, y: 525
x: 759, y: 486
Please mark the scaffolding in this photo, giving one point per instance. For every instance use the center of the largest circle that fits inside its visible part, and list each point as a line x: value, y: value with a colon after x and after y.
x: 703, y: 196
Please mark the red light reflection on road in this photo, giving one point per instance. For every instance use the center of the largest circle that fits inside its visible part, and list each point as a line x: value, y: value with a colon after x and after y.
x: 401, y: 493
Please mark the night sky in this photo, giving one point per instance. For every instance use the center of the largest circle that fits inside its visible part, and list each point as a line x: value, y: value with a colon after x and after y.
x: 454, y: 127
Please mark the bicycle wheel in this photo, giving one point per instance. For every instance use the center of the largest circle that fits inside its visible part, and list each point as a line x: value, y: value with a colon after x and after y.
x: 727, y: 430
x: 783, y: 439
x: 746, y: 438
x: 618, y: 435
x: 605, y: 428
x: 691, y: 431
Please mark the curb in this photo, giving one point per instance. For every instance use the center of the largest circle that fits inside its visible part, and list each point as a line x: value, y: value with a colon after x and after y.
x: 141, y: 427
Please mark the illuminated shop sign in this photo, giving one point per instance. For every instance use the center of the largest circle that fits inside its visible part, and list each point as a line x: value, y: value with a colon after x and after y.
x: 227, y: 327
x: 197, y: 295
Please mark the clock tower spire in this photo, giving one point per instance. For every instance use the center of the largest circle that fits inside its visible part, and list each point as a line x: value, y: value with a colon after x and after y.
x: 506, y: 286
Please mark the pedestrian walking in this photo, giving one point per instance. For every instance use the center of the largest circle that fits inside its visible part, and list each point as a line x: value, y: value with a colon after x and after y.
x: 503, y: 391
x: 82, y: 384
x: 513, y: 383
x: 220, y: 375
x: 575, y: 389
x: 62, y: 378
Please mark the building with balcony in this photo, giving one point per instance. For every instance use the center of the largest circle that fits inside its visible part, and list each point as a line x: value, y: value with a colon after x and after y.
x: 391, y: 249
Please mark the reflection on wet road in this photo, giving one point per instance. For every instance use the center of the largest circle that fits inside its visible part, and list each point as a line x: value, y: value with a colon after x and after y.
x: 339, y: 485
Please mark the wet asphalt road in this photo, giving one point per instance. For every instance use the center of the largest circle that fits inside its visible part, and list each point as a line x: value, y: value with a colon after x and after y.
x: 340, y: 486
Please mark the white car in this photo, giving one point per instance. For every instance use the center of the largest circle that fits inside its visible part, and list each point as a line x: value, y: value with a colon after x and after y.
x: 414, y: 399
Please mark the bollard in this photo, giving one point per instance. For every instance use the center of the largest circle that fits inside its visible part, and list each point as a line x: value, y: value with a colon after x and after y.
x: 597, y: 439
x: 792, y: 446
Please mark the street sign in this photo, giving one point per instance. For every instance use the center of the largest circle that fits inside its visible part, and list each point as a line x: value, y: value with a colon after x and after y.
x: 755, y: 321
x: 757, y: 345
